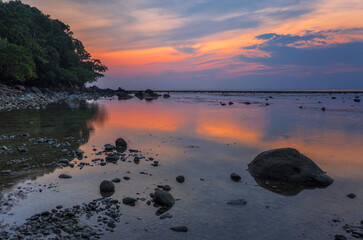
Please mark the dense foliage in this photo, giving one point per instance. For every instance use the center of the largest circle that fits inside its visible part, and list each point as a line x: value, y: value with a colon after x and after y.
x: 38, y: 50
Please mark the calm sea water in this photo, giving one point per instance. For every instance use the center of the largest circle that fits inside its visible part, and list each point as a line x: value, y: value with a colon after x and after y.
x: 193, y: 135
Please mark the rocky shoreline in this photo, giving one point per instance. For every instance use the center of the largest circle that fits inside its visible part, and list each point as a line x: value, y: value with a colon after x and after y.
x: 21, y: 97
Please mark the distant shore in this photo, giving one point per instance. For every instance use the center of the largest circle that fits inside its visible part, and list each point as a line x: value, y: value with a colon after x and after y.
x: 251, y: 91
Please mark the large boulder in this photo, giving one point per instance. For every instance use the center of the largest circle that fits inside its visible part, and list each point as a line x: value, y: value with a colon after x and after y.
x: 288, y: 165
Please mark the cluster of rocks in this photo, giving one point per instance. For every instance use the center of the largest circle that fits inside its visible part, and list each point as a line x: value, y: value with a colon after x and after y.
x: 69, y: 223
x: 21, y: 97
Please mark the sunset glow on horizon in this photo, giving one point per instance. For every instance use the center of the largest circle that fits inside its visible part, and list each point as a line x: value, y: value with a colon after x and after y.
x: 209, y: 44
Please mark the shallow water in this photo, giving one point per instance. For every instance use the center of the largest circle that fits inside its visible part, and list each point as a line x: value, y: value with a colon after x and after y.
x: 193, y: 135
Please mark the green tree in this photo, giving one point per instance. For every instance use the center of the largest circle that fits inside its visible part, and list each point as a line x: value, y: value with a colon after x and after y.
x: 39, y: 50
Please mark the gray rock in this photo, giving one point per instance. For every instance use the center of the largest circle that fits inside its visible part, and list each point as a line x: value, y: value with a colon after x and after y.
x: 180, y: 179
x: 288, y: 165
x: 164, y: 198
x: 166, y: 188
x: 107, y: 186
x: 179, y: 229
x: 65, y: 176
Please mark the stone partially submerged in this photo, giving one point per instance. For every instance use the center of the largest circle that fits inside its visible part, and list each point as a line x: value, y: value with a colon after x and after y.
x: 288, y: 167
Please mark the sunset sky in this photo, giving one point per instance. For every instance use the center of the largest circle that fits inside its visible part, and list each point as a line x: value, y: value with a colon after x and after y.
x: 213, y: 44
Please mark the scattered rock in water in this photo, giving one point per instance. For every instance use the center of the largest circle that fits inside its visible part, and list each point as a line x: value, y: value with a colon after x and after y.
x: 230, y: 103
x: 166, y: 95
x: 79, y: 154
x: 136, y: 160
x: 339, y: 237
x: 288, y: 166
x: 238, y: 202
x: 235, y: 177
x: 179, y: 229
x: 166, y: 215
x: 163, y: 198
x: 247, y: 103
x: 357, y: 100
x: 323, y: 109
x: 64, y: 176
x: 107, y: 186
x: 121, y: 143
x: 109, y: 147
x: 23, y: 150
x: 180, y: 179
x: 166, y: 188
x: 351, y: 195
x: 129, y: 201
x: 112, y: 157
x: 116, y: 180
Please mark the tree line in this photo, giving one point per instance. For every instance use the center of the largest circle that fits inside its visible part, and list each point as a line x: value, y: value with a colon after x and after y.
x: 38, y: 50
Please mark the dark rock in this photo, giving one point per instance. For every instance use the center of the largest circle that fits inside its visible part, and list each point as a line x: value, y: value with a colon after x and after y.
x: 79, y: 154
x: 239, y: 202
x: 235, y: 177
x: 351, y: 195
x: 164, y: 198
x: 166, y: 215
x: 339, y: 237
x: 166, y: 95
x: 230, y: 103
x: 121, y: 143
x: 179, y: 229
x: 180, y: 179
x: 112, y: 157
x: 107, y: 186
x: 65, y: 176
x: 323, y: 109
x: 116, y: 180
x: 166, y: 188
x: 126, y: 178
x: 109, y: 147
x: 357, y: 100
x: 129, y: 201
x: 290, y: 166
x: 136, y: 160
x: 23, y: 150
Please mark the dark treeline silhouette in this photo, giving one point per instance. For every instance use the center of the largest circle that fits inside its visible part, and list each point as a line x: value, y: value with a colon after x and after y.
x: 38, y: 50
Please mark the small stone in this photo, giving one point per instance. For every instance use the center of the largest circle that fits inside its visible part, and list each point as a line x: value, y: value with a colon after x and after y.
x: 339, y: 237
x: 235, y: 177
x: 65, y: 176
x: 107, y: 186
x: 129, y: 201
x: 120, y: 142
x: 116, y: 180
x: 240, y: 202
x: 167, y: 188
x: 351, y: 195
x: 180, y: 179
x: 179, y: 229
x: 23, y: 150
